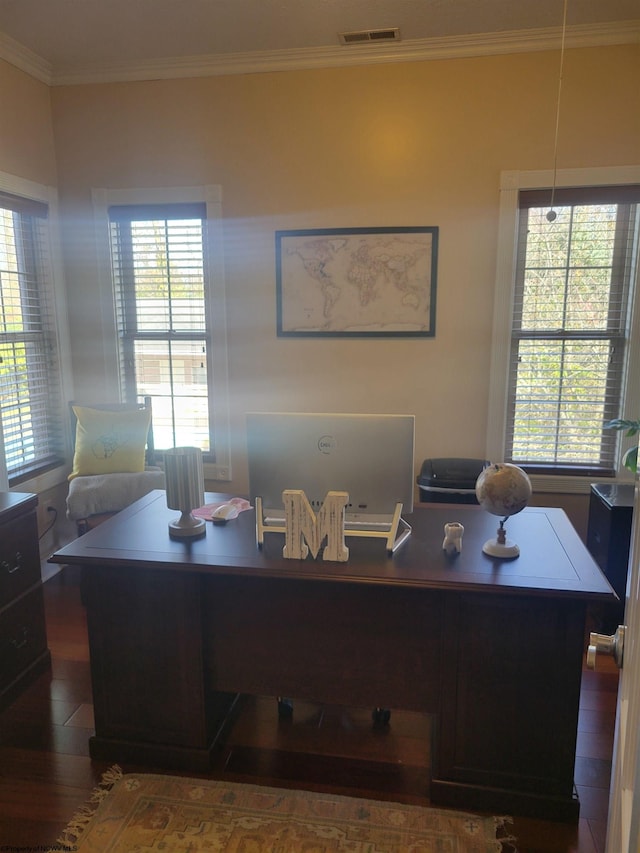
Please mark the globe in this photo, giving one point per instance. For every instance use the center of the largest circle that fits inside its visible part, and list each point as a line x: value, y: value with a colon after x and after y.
x: 502, y: 489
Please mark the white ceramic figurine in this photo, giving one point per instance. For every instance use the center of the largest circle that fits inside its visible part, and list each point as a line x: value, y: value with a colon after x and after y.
x: 453, y: 531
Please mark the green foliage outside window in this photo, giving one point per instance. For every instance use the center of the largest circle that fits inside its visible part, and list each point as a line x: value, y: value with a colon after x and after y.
x: 631, y: 428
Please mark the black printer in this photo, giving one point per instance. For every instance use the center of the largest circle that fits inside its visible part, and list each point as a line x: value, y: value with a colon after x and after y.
x: 450, y: 480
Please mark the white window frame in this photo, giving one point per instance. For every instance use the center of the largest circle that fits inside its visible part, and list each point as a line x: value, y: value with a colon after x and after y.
x: 48, y: 195
x: 211, y: 196
x: 511, y: 183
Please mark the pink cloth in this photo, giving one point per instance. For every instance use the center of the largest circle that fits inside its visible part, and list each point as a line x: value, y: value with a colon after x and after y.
x: 206, y: 510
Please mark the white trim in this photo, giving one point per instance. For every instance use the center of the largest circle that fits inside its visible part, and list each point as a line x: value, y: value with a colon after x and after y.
x: 60, y: 307
x: 46, y: 481
x: 624, y: 796
x: 217, y: 321
x: 411, y: 50
x: 631, y: 380
x: 24, y: 59
x: 27, y: 189
x: 110, y: 381
x: 4, y: 478
x: 510, y: 184
x: 211, y: 195
x: 567, y: 485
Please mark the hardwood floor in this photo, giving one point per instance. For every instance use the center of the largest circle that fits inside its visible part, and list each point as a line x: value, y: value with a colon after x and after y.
x: 46, y: 773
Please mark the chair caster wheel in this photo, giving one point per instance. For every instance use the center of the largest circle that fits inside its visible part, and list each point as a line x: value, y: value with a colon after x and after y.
x: 381, y: 716
x: 285, y: 708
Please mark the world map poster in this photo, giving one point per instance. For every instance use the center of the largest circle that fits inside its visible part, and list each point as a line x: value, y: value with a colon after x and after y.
x: 357, y: 282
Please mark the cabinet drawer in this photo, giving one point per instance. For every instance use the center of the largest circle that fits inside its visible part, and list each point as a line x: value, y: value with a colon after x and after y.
x: 23, y: 635
x: 19, y: 557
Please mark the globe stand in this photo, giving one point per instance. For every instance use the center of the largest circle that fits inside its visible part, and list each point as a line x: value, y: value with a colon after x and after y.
x: 501, y: 547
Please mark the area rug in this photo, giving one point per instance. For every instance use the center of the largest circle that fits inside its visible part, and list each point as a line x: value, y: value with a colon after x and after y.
x: 141, y: 813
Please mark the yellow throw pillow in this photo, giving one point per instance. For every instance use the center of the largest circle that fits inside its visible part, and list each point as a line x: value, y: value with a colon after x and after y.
x: 110, y: 442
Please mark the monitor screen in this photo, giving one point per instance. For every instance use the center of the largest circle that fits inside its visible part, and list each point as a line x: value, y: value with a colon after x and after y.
x: 368, y: 456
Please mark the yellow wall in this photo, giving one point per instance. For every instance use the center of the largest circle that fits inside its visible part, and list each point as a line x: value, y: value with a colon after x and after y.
x: 407, y: 144
x: 402, y: 144
x: 26, y: 134
x: 27, y: 151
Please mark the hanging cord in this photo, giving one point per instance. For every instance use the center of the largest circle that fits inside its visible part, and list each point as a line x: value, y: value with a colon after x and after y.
x: 53, y: 510
x: 551, y: 215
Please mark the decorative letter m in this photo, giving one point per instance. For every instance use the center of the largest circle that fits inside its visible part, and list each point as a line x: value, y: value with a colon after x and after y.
x: 305, y: 531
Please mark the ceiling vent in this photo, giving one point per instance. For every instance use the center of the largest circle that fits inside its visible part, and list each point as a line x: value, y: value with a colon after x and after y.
x: 360, y: 36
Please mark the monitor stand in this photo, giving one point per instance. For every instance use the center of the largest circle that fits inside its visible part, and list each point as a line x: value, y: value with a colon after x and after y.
x: 395, y: 533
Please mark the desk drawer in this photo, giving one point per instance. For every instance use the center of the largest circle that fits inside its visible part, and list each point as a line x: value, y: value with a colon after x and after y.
x: 22, y: 635
x: 19, y: 557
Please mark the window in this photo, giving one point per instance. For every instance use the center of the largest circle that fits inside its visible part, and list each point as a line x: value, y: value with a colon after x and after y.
x: 166, y: 265
x: 30, y: 409
x: 570, y: 328
x: 570, y: 324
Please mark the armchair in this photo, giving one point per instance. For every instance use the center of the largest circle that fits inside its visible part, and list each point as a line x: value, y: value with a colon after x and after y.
x: 113, y: 462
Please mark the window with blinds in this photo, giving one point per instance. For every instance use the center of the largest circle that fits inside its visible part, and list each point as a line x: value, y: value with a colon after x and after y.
x: 158, y: 262
x: 571, y: 317
x: 30, y: 410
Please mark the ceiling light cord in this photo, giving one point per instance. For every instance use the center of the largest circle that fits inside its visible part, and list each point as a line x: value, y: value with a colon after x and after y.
x: 551, y: 215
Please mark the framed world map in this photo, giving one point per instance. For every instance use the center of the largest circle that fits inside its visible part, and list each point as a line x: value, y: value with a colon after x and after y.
x: 357, y: 282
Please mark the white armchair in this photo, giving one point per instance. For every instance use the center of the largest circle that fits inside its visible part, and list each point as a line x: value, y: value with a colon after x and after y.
x: 113, y: 463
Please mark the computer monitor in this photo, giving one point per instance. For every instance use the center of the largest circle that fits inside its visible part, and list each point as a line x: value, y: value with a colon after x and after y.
x: 371, y: 457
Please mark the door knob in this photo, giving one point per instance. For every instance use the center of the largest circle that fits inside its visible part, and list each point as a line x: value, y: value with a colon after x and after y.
x: 606, y: 645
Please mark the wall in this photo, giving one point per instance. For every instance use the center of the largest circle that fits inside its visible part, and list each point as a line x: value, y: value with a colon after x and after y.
x: 407, y: 144
x: 26, y: 141
x: 27, y: 151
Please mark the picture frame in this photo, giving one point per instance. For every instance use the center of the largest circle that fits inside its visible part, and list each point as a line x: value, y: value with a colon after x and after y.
x: 357, y: 282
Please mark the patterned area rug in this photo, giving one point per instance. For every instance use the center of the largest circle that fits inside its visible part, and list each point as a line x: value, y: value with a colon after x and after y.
x: 144, y: 813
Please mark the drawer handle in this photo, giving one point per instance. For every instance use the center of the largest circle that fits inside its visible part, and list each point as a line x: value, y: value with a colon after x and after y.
x: 21, y: 642
x: 17, y: 564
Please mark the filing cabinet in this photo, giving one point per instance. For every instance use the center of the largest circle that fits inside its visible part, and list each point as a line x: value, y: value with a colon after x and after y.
x: 609, y: 538
x: 23, y: 637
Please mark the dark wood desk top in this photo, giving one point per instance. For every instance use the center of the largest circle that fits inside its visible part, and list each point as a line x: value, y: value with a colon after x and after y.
x: 553, y: 560
x: 615, y: 494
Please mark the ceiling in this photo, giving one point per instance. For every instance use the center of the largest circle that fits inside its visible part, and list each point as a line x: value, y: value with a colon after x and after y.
x: 75, y: 41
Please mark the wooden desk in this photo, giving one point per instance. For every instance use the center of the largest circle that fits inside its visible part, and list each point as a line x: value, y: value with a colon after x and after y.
x: 492, y: 649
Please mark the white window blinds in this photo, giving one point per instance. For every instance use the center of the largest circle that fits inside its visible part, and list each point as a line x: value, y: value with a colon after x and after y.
x: 29, y: 374
x: 572, y: 301
x: 158, y: 260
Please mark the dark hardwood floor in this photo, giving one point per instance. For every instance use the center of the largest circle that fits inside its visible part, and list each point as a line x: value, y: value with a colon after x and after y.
x: 46, y: 773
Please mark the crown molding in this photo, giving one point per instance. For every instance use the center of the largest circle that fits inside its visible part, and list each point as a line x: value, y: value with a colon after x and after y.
x: 415, y: 50
x: 26, y: 60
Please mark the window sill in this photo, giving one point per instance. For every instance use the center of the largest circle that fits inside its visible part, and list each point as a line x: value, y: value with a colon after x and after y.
x: 566, y: 484
x: 44, y: 481
x: 217, y: 472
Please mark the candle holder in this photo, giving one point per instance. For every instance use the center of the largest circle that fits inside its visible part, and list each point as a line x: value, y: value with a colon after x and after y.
x: 184, y: 475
